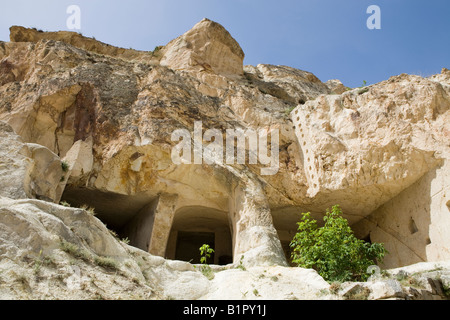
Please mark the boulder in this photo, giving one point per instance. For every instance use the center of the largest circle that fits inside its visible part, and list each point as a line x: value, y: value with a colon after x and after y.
x: 28, y: 170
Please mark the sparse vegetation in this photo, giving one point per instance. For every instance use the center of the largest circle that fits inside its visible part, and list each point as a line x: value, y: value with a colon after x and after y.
x: 64, y: 166
x: 106, y: 262
x: 363, y: 90
x: 88, y: 209
x: 446, y: 290
x: 205, y: 253
x: 241, y: 265
x: 38, y: 263
x: 65, y: 203
x: 113, y: 233
x: 334, y: 287
x: 333, y: 250
x: 74, y: 250
x: 288, y: 111
x: 80, y: 253
x: 157, y: 50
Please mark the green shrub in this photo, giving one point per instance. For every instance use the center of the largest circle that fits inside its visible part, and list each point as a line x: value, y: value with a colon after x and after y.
x: 333, y: 250
x: 205, y: 252
x: 64, y: 166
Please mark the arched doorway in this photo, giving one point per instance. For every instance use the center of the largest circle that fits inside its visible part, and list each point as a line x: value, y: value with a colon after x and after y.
x: 194, y: 226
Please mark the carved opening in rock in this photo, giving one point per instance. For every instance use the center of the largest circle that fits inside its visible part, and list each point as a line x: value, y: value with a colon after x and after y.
x: 194, y: 226
x: 188, y: 244
x: 129, y: 216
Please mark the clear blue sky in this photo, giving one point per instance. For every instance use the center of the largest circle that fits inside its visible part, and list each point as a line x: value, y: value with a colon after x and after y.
x: 326, y: 37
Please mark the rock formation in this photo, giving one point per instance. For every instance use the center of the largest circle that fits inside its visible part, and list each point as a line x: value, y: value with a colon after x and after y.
x: 91, y: 125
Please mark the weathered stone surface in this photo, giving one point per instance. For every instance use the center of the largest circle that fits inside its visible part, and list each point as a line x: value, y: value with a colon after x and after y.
x: 415, y: 223
x: 21, y: 34
x: 374, y: 141
x: 47, y: 176
x: 274, y: 283
x: 380, y: 152
x: 206, y: 47
x: 80, y: 160
x: 354, y: 291
x: 286, y: 83
x: 28, y: 170
x: 16, y: 164
x: 386, y: 289
x: 49, y: 251
x: 335, y: 86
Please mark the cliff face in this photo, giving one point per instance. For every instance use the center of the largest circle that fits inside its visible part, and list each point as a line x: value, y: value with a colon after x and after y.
x: 115, y: 116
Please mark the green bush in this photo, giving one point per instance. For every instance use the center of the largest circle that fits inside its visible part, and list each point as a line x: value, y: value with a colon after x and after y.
x: 333, y: 250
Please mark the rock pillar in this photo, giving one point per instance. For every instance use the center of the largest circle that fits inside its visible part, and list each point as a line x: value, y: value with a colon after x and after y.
x: 162, y: 224
x: 255, y: 239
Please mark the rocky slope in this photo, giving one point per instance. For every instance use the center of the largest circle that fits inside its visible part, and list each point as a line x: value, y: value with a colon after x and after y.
x: 49, y: 251
x: 91, y: 125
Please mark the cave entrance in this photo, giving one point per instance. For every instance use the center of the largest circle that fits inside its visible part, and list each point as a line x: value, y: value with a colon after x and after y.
x: 195, y: 226
x: 188, y: 244
x: 128, y: 216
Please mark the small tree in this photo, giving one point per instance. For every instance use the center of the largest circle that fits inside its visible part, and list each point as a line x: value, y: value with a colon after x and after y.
x: 205, y: 252
x: 333, y: 250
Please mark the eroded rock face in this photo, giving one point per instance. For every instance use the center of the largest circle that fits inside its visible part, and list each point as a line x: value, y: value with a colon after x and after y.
x: 49, y: 251
x: 374, y: 141
x: 16, y: 164
x: 110, y: 115
x: 21, y: 34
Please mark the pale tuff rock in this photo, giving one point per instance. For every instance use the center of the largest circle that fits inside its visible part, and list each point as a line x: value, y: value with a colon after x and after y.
x: 376, y: 141
x: 47, y: 176
x: 415, y: 223
x: 278, y: 283
x: 28, y: 170
x: 286, y: 83
x: 49, y: 251
x: 380, y: 152
x: 443, y: 77
x: 16, y: 164
x: 21, y: 34
x: 257, y: 242
x: 336, y: 86
x: 206, y: 47
x: 80, y: 160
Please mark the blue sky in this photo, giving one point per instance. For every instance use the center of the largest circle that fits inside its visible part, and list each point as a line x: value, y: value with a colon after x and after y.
x: 326, y: 37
